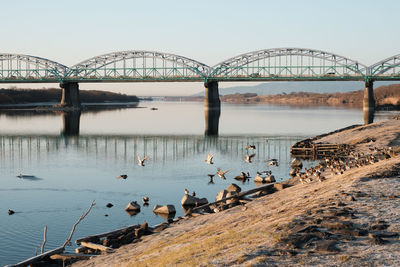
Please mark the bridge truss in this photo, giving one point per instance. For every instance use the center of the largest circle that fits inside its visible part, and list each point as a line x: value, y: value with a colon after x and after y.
x: 138, y: 66
x: 288, y: 64
x: 25, y: 68
x: 278, y: 64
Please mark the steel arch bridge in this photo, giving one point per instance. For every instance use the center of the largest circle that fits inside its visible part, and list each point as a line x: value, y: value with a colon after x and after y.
x: 387, y: 69
x: 288, y: 64
x: 131, y: 66
x: 278, y: 64
x: 16, y: 68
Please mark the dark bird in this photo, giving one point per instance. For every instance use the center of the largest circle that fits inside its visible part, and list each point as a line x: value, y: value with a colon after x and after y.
x: 109, y: 205
x: 123, y: 176
x: 193, y: 194
x: 145, y: 200
x: 11, y: 212
x: 211, y: 176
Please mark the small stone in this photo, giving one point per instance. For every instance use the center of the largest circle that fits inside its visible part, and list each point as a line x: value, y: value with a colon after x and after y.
x: 234, y: 188
x: 244, y: 208
x: 376, y: 240
x: 166, y: 209
x: 133, y: 206
x: 350, y: 198
x: 109, y: 205
x: 327, y: 246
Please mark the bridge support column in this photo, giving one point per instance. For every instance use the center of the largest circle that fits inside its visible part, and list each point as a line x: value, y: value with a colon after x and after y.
x: 70, y: 95
x: 369, y: 102
x: 212, y: 108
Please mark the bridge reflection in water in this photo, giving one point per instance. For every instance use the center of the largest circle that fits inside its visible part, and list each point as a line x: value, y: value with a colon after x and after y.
x: 16, y: 149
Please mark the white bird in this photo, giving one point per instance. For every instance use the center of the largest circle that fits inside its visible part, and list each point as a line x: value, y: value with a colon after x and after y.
x: 248, y: 157
x: 221, y: 173
x: 210, y: 158
x: 141, y: 161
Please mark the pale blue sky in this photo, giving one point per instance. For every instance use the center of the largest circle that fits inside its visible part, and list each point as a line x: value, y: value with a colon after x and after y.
x: 207, y: 31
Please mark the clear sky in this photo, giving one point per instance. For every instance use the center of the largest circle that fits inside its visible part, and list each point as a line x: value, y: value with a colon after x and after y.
x: 208, y: 31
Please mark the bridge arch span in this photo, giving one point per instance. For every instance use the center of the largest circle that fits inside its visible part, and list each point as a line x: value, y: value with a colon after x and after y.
x: 288, y: 64
x: 138, y: 66
x: 388, y: 68
x: 26, y: 68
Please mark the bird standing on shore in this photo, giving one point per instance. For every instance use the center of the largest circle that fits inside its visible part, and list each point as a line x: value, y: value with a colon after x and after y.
x: 141, y: 161
x: 210, y: 158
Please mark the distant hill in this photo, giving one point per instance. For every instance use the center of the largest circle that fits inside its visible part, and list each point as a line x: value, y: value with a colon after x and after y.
x: 273, y: 88
x: 19, y: 96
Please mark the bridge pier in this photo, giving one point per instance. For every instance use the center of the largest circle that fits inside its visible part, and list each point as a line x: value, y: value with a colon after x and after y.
x: 70, y: 95
x: 368, y: 102
x: 212, y: 108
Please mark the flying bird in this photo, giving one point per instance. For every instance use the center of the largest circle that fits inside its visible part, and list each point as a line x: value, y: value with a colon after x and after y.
x: 210, y: 158
x: 141, y: 161
x: 250, y: 147
x: 123, y: 176
x: 222, y: 173
x: 273, y: 162
x: 248, y: 157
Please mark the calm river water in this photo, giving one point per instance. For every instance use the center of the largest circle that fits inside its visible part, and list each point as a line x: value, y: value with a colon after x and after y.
x: 70, y: 172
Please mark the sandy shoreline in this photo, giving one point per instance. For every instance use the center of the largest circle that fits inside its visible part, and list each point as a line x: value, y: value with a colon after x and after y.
x: 349, y: 219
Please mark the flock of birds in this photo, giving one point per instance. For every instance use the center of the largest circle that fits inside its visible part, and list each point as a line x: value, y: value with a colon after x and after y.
x: 337, y: 166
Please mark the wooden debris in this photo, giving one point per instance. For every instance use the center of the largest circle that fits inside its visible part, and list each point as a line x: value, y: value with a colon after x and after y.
x: 114, y: 232
x: 39, y: 257
x: 69, y: 256
x: 96, y: 246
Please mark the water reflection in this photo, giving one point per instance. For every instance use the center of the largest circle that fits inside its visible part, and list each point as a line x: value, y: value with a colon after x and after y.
x: 71, y: 121
x: 368, y: 115
x: 212, y: 121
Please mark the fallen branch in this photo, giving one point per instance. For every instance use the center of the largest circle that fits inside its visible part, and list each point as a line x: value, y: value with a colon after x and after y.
x: 68, y: 241
x: 113, y: 232
x: 44, y: 239
x: 96, y: 246
x: 254, y: 190
x: 38, y: 257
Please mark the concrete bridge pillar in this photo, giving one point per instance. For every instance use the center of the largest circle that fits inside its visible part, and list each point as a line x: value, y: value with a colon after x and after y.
x: 212, y: 108
x: 211, y: 99
x: 70, y: 95
x: 368, y: 102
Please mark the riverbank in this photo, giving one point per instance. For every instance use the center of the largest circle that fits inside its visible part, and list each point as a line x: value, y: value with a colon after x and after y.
x: 386, y: 98
x: 348, y: 219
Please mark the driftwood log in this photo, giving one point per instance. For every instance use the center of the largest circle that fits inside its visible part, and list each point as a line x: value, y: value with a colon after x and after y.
x: 106, y: 234
x: 69, y: 256
x: 241, y: 194
x: 96, y: 246
x: 38, y: 257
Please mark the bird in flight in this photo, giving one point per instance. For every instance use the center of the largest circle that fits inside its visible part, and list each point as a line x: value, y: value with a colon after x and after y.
x: 222, y: 173
x: 210, y: 158
x: 141, y: 161
x: 248, y: 157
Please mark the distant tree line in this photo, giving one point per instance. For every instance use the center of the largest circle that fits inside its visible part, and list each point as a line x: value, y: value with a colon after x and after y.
x: 18, y: 96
